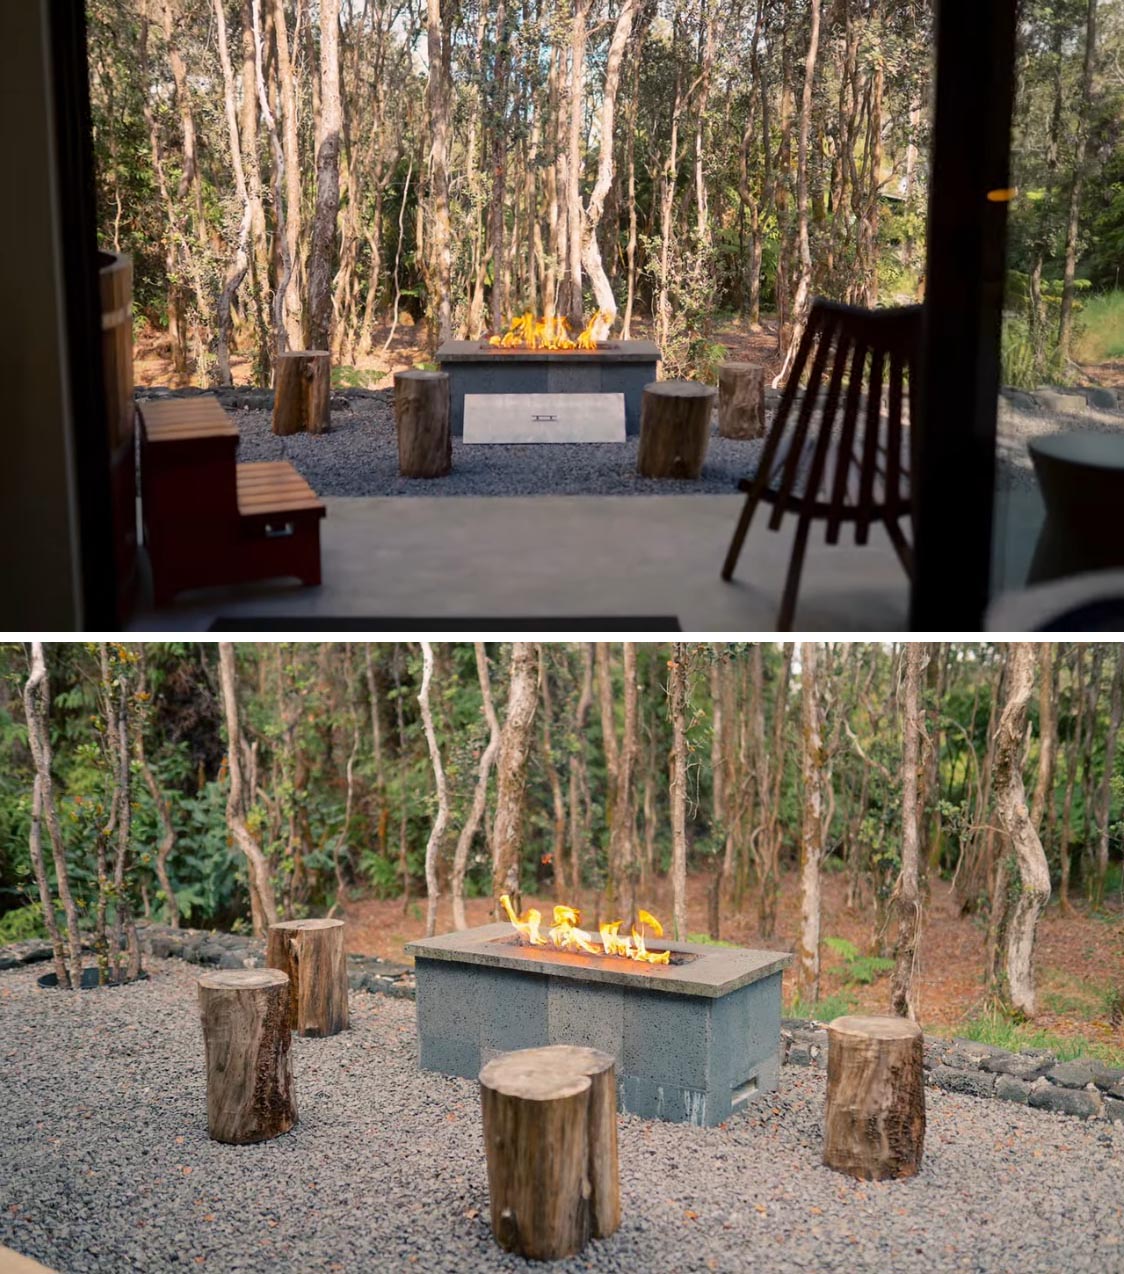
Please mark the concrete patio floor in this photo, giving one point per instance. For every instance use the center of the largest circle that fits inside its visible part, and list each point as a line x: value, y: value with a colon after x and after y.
x: 554, y: 557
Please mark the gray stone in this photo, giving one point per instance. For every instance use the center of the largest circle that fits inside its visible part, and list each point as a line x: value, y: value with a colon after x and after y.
x: 535, y: 418
x: 1117, y: 1090
x: 799, y: 1055
x: 1104, y: 1076
x: 30, y: 951
x: 1029, y: 1066
x: 233, y: 960
x: 1075, y: 1074
x: 971, y: 1053
x: 1105, y: 399
x: 1011, y: 1089
x: 1066, y: 1101
x: 972, y: 1083
x: 1019, y: 398
x: 1061, y: 402
x: 1114, y: 1110
x: 932, y: 1052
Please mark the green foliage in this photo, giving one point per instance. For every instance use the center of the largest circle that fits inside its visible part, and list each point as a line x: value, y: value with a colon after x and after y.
x: 826, y: 1009
x: 22, y: 923
x: 704, y: 939
x: 994, y: 1028
x: 860, y: 970
x: 1102, y: 323
x: 357, y: 377
x: 1029, y: 353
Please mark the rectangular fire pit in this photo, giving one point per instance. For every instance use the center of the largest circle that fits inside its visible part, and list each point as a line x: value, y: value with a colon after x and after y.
x: 694, y: 1040
x: 615, y: 367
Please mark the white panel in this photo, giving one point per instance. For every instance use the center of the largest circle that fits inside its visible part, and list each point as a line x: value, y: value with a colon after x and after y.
x: 544, y: 418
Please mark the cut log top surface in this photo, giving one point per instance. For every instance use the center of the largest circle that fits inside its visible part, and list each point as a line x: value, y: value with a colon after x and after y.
x: 545, y: 1074
x: 742, y: 367
x: 876, y: 1028
x: 418, y: 374
x: 308, y: 924
x: 242, y: 979
x: 680, y: 389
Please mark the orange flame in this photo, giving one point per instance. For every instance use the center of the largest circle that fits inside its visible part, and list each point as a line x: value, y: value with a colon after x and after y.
x: 550, y: 332
x: 565, y: 935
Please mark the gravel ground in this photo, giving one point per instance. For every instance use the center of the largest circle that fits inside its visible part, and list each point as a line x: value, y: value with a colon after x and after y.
x: 105, y: 1164
x: 358, y: 456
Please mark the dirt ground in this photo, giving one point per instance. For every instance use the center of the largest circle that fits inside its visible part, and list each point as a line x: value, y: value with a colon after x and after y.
x: 1077, y: 957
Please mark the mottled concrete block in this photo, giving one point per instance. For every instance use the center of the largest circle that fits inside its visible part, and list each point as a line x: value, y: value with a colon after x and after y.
x: 667, y: 1039
x: 1011, y: 1089
x: 1114, y: 1110
x: 970, y: 1083
x: 672, y: 1102
x: 592, y: 1016
x: 513, y: 1011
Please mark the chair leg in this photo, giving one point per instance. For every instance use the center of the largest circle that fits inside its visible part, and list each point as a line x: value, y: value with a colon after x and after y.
x: 740, y: 532
x: 792, y: 580
x: 901, y: 545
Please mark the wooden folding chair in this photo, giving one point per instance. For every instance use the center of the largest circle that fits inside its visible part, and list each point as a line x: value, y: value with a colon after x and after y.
x: 837, y: 458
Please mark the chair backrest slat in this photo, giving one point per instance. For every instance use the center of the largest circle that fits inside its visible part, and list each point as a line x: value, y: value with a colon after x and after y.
x: 871, y: 425
x: 827, y: 325
x: 788, y: 394
x: 894, y: 430
x: 847, y: 436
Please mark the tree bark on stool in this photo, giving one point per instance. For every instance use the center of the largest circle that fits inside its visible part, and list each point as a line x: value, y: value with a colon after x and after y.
x: 674, y: 429
x: 550, y: 1137
x: 874, y: 1116
x: 246, y: 1035
x: 741, y: 400
x: 311, y: 953
x: 302, y: 391
x: 421, y: 411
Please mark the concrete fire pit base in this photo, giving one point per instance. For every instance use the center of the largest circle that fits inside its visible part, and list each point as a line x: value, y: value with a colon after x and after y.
x: 616, y: 367
x: 693, y: 1041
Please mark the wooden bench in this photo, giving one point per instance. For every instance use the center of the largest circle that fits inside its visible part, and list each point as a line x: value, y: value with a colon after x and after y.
x: 210, y: 521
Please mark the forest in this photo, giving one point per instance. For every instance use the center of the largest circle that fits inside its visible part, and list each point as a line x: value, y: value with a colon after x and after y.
x: 882, y: 803
x: 324, y: 173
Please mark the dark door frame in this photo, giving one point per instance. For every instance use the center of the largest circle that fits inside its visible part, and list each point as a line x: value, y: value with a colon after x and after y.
x: 954, y: 481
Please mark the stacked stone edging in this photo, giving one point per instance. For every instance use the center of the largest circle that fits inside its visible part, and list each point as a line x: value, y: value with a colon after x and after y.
x: 1085, y: 1087
x: 213, y: 949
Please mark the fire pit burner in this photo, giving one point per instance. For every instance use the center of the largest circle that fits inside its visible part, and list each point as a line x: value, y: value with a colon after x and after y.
x: 694, y: 1040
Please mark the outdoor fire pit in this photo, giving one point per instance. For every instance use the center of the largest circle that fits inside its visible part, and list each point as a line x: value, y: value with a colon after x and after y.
x: 694, y: 1038
x: 612, y: 367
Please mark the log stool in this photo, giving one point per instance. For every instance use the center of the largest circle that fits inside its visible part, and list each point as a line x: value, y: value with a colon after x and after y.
x: 674, y: 429
x: 874, y: 1117
x: 245, y: 1015
x: 421, y: 412
x: 550, y: 1137
x: 302, y: 392
x: 741, y: 400
x: 311, y: 953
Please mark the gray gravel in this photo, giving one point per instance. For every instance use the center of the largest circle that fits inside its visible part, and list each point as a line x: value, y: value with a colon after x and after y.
x: 358, y: 456
x: 105, y: 1164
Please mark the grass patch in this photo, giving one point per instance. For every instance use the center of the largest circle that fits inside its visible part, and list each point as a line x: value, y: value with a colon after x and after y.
x: 1071, y: 996
x: 993, y: 1028
x: 704, y: 939
x: 357, y: 377
x: 1102, y: 328
x: 825, y: 1010
x: 859, y: 970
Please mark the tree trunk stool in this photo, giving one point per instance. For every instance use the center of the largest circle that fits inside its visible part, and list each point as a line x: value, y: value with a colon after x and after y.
x: 874, y: 1117
x: 246, y: 1035
x: 741, y: 400
x: 311, y: 953
x: 421, y: 413
x: 674, y: 429
x: 1081, y: 477
x: 550, y: 1137
x: 302, y: 392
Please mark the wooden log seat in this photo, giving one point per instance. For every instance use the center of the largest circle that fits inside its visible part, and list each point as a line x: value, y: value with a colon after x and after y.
x: 741, y: 400
x: 312, y: 954
x: 209, y: 521
x: 674, y: 429
x: 874, y: 1116
x: 550, y: 1139
x: 302, y: 392
x: 245, y: 1015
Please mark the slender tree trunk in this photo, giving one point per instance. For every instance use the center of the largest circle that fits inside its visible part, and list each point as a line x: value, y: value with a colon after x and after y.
x: 328, y: 124
x: 37, y: 707
x: 578, y: 826
x: 237, y: 803
x: 678, y: 697
x: 1020, y: 836
x: 1043, y: 799
x: 438, y: 92
x: 46, y: 898
x: 480, y: 796
x: 907, y: 896
x: 812, y: 830
x: 558, y: 800
x: 1104, y: 800
x: 437, y: 831
x: 377, y: 748
x: 1065, y: 321
x: 511, y: 774
x: 290, y: 286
